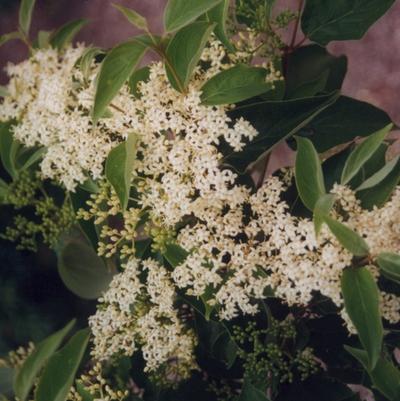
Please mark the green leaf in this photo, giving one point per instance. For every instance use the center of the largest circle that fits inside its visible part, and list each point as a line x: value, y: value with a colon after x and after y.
x: 3, y: 91
x: 26, y: 375
x: 59, y: 373
x: 115, y: 70
x: 348, y: 238
x: 33, y: 158
x: 43, y: 39
x: 362, y: 153
x: 25, y: 15
x: 179, y: 13
x: 385, y: 376
x: 9, y: 36
x: 321, y: 209
x: 389, y: 264
x: 141, y: 75
x: 380, y: 175
x: 309, y: 177
x: 175, y: 255
x: 324, y: 21
x: 251, y: 393
x: 219, y: 15
x: 361, y: 300
x: 133, y: 17
x: 82, y: 271
x: 119, y: 168
x: 3, y: 191
x: 234, y: 85
x: 275, y: 121
x: 8, y: 148
x: 66, y: 33
x: 345, y: 120
x: 85, y: 61
x: 184, y: 51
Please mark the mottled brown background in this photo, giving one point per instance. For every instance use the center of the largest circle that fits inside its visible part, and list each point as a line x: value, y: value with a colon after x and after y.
x: 374, y: 72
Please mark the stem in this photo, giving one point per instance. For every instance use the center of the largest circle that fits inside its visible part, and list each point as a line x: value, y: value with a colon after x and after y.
x: 264, y: 172
x: 296, y: 25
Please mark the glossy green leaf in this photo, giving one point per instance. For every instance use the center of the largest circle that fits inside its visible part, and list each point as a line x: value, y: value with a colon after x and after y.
x: 385, y: 376
x: 344, y: 121
x: 132, y: 16
x: 184, y: 51
x: 380, y: 175
x: 219, y: 15
x: 119, y: 168
x: 234, y: 85
x: 251, y: 393
x: 389, y: 264
x: 85, y: 61
x: 361, y: 300
x: 59, y: 373
x: 275, y: 121
x: 308, y: 172
x: 362, y: 153
x: 324, y: 21
x: 9, y: 36
x: 348, y: 238
x: 115, y: 70
x: 25, y: 15
x: 179, y: 13
x: 66, y: 33
x: 175, y: 255
x: 321, y: 209
x: 8, y: 148
x: 28, y: 372
x: 82, y: 271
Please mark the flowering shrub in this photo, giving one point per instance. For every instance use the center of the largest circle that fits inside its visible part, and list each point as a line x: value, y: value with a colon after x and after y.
x: 214, y: 280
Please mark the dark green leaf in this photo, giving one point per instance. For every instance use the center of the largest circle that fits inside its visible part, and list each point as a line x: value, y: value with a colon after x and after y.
x: 175, y: 254
x: 321, y: 209
x: 82, y: 270
x: 219, y: 15
x: 6, y: 382
x: 390, y: 265
x: 275, y: 121
x: 179, y: 13
x: 141, y: 247
x: 32, y: 158
x: 25, y: 15
x: 3, y: 191
x: 59, y: 373
x: 132, y: 16
x: 119, y: 168
x: 347, y: 119
x: 141, y: 75
x: 8, y: 148
x: 385, y: 376
x: 324, y: 21
x: 361, y: 300
x: 348, y: 238
x: 234, y: 85
x: 115, y: 70
x: 362, y: 153
x: 66, y: 33
x: 9, y: 36
x: 309, y: 177
x: 26, y: 375
x: 252, y: 393
x: 184, y: 51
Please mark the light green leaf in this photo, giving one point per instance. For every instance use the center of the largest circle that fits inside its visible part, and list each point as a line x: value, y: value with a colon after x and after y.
x: 251, y: 393
x: 380, y: 175
x: 133, y: 17
x: 219, y: 15
x: 184, y: 51
x: 234, y: 85
x: 362, y: 154
x: 66, y: 33
x: 324, y: 21
x: 385, y: 376
x: 43, y: 39
x: 179, y: 13
x: 308, y: 172
x: 3, y: 91
x: 59, y: 373
x: 26, y: 375
x: 115, y: 70
x: 361, y: 300
x: 82, y: 271
x: 85, y: 61
x: 348, y: 238
x: 175, y: 255
x: 25, y: 15
x: 9, y: 36
x: 321, y: 209
x: 390, y: 265
x: 119, y: 168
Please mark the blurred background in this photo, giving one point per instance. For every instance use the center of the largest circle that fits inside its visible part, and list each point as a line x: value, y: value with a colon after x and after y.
x: 34, y: 302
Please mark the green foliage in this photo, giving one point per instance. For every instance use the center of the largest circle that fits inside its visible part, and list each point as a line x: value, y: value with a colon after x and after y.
x: 179, y: 13
x: 119, y: 167
x: 26, y: 376
x: 321, y: 209
x: 323, y: 22
x: 251, y: 393
x: 25, y: 15
x: 361, y: 300
x: 86, y: 60
x: 9, y: 36
x: 219, y: 16
x: 133, y: 17
x: 59, y: 373
x: 65, y: 34
x: 309, y: 177
x: 390, y: 265
x: 184, y: 51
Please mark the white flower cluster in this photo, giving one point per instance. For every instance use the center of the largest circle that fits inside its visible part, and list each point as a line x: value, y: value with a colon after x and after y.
x: 132, y: 313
